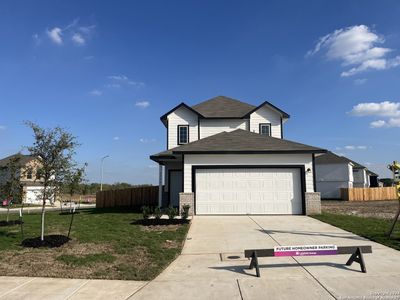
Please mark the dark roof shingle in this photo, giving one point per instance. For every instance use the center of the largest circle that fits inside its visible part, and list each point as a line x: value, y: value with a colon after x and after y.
x: 223, y: 107
x: 241, y: 140
x: 23, y: 159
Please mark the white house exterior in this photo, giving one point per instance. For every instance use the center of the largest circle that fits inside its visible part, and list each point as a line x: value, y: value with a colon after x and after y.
x: 32, y: 185
x: 225, y: 156
x: 334, y: 172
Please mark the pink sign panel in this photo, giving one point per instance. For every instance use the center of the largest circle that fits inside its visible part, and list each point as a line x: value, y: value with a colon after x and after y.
x: 305, y: 250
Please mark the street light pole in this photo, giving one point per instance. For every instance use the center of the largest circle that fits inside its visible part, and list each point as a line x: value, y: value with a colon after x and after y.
x: 102, y: 162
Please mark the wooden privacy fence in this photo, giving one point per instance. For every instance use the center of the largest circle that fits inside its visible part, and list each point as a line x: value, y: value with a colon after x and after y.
x: 130, y: 197
x: 368, y: 194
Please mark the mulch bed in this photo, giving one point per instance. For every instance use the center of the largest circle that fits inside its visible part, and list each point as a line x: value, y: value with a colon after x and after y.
x: 50, y: 241
x: 11, y: 223
x: 158, y: 222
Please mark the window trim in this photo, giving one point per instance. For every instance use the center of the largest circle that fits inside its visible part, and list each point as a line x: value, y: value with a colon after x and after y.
x: 29, y: 174
x: 264, y: 124
x: 178, y: 137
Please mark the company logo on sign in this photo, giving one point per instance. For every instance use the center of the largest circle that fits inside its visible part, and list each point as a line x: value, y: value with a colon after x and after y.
x: 305, y: 250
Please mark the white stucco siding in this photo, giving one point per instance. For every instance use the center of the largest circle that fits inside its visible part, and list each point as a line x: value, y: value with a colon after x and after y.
x: 247, y: 159
x: 210, y: 127
x: 266, y: 115
x: 331, y: 189
x: 181, y: 116
x: 360, y: 178
x: 330, y: 178
x: 334, y: 172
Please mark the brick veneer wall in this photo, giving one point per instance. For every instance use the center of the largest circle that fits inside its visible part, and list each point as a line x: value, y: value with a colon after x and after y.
x: 313, y: 203
x: 186, y: 198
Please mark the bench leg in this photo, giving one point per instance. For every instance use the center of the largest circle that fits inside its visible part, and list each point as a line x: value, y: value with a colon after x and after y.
x: 358, y: 258
x: 254, y: 263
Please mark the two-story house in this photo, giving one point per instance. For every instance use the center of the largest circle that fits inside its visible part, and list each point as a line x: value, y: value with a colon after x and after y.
x: 225, y: 156
x: 30, y: 180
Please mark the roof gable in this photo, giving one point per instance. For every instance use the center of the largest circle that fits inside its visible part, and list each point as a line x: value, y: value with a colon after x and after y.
x: 22, y: 159
x: 223, y: 107
x: 270, y: 105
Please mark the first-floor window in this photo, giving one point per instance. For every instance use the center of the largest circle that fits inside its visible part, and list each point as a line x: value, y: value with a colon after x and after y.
x: 265, y: 129
x: 183, y: 134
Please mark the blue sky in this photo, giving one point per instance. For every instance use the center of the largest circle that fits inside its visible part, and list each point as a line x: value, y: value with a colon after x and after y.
x: 107, y: 71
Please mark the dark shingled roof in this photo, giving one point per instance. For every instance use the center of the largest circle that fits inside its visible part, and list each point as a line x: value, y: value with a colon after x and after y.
x: 223, y: 107
x: 331, y: 158
x: 23, y: 159
x: 240, y: 141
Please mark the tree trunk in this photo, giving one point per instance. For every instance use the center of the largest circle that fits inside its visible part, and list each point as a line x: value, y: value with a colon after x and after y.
x: 42, y: 217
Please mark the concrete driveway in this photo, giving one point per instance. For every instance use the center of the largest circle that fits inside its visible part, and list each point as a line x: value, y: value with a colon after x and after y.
x: 206, y: 270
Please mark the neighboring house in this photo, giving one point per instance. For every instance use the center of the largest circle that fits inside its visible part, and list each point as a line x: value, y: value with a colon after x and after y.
x: 225, y: 156
x: 32, y: 185
x: 334, y: 172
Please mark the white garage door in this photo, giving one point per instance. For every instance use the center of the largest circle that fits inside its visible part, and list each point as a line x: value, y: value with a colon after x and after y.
x: 248, y: 191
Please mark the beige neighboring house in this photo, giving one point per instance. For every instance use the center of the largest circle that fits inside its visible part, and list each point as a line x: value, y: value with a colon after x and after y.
x: 32, y: 184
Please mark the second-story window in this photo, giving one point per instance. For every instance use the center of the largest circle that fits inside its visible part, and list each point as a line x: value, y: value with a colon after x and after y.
x: 265, y: 129
x: 183, y: 134
x: 29, y: 174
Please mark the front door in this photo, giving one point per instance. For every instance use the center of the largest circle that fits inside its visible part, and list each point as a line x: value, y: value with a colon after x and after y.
x: 175, y: 187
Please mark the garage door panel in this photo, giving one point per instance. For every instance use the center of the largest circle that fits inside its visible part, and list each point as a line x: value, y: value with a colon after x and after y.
x: 248, y: 191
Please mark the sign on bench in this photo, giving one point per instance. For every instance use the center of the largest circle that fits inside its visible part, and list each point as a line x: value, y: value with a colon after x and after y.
x: 309, y: 250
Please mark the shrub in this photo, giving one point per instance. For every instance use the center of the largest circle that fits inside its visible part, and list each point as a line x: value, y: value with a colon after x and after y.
x: 172, y: 212
x: 146, y: 211
x: 185, y: 211
x: 158, y: 213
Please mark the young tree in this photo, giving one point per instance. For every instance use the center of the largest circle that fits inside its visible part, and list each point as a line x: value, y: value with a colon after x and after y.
x: 12, y: 188
x: 74, y: 179
x: 55, y: 149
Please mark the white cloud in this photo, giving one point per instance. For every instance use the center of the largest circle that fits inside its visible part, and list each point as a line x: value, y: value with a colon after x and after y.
x: 377, y: 124
x: 136, y: 83
x: 394, y: 122
x: 96, y: 92
x: 55, y: 35
x: 116, y: 138
x: 356, y: 46
x: 123, y: 79
x: 2, y: 127
x: 118, y: 77
x: 360, y: 81
x: 89, y: 57
x: 352, y: 147
x: 78, y: 39
x: 384, y: 109
x: 146, y: 141
x: 113, y: 85
x: 36, y: 39
x: 142, y: 104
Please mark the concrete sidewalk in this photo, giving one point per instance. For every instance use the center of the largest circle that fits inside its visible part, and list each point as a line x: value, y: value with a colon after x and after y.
x: 212, y: 266
x: 34, y: 209
x: 57, y: 288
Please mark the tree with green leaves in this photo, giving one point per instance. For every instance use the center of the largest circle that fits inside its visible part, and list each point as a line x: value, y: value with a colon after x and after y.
x: 11, y: 188
x: 73, y: 181
x: 55, y: 148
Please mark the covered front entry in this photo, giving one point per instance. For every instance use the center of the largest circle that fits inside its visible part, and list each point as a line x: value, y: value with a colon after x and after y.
x: 242, y: 190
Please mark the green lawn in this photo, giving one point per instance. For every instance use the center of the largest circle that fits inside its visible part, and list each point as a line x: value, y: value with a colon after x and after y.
x: 104, y: 245
x: 371, y: 228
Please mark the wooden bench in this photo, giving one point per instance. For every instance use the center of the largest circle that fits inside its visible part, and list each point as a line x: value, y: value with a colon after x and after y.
x: 355, y: 251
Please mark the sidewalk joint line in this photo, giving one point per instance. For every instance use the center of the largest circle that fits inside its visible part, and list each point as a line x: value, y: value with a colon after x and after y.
x: 17, y: 287
x: 77, y: 289
x: 240, y: 290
